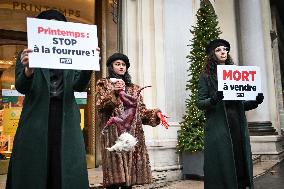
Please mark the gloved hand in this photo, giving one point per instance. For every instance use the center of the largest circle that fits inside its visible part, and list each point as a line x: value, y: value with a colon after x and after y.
x: 218, y: 96
x: 163, y: 120
x: 259, y: 98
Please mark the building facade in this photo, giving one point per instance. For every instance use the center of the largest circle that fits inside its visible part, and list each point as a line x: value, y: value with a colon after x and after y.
x: 155, y: 35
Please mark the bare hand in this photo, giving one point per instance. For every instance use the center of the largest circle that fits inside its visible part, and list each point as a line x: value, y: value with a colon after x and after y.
x: 25, y: 61
x: 25, y: 57
x: 98, y: 50
x: 119, y: 85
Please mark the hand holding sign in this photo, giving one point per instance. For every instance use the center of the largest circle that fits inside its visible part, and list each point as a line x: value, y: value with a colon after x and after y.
x: 259, y: 98
x: 217, y: 97
x: 25, y: 61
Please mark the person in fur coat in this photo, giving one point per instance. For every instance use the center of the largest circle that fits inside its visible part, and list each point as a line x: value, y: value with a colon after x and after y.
x: 123, y: 169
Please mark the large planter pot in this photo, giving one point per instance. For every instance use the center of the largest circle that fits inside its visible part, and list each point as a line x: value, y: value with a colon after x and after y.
x: 193, y: 163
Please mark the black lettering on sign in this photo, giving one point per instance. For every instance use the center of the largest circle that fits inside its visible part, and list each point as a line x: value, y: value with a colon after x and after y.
x: 39, y: 8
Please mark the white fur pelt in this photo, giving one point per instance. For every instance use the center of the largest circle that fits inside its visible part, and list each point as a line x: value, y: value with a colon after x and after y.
x: 125, y: 143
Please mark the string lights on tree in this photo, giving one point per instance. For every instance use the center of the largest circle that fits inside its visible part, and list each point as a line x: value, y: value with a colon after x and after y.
x: 191, y: 134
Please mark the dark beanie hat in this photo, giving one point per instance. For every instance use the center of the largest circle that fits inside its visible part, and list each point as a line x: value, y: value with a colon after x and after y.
x: 216, y: 43
x: 52, y: 14
x: 118, y: 56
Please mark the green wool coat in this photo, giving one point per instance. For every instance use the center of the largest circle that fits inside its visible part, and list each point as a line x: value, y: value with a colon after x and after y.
x: 28, y: 164
x: 219, y: 166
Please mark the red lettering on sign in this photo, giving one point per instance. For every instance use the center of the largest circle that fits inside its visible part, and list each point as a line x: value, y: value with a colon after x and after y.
x: 227, y: 74
x: 40, y: 29
x: 245, y: 76
x: 252, y: 74
x: 239, y: 75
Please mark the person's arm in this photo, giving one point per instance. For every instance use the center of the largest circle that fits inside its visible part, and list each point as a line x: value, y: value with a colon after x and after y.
x: 106, y: 98
x: 148, y: 116
x: 204, y: 101
x: 252, y: 104
x: 23, y: 74
x: 81, y: 80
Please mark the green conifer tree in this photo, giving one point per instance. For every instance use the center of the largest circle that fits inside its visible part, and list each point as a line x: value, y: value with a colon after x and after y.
x: 191, y: 135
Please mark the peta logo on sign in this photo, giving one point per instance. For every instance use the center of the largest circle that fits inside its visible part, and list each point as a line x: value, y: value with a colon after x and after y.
x: 66, y: 60
x: 240, y: 94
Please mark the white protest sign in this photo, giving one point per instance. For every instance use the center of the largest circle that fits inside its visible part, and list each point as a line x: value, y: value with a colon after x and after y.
x: 62, y: 45
x: 239, y: 82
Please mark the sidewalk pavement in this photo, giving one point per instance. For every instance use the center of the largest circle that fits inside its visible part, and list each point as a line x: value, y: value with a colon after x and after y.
x: 259, y: 169
x: 95, y: 178
x: 273, y: 179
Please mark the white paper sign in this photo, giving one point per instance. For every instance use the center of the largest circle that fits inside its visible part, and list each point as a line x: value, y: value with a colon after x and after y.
x: 62, y: 45
x: 239, y: 82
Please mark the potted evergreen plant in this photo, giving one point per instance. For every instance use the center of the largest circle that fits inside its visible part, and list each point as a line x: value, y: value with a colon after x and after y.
x: 191, y: 135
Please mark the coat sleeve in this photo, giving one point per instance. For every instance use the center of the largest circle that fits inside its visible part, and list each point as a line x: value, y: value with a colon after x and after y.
x: 106, y: 99
x: 148, y: 116
x: 22, y: 83
x: 203, y: 98
x: 250, y: 105
x: 81, y: 80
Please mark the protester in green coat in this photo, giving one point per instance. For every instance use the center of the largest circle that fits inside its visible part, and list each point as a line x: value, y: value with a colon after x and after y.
x: 227, y: 151
x: 49, y: 150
